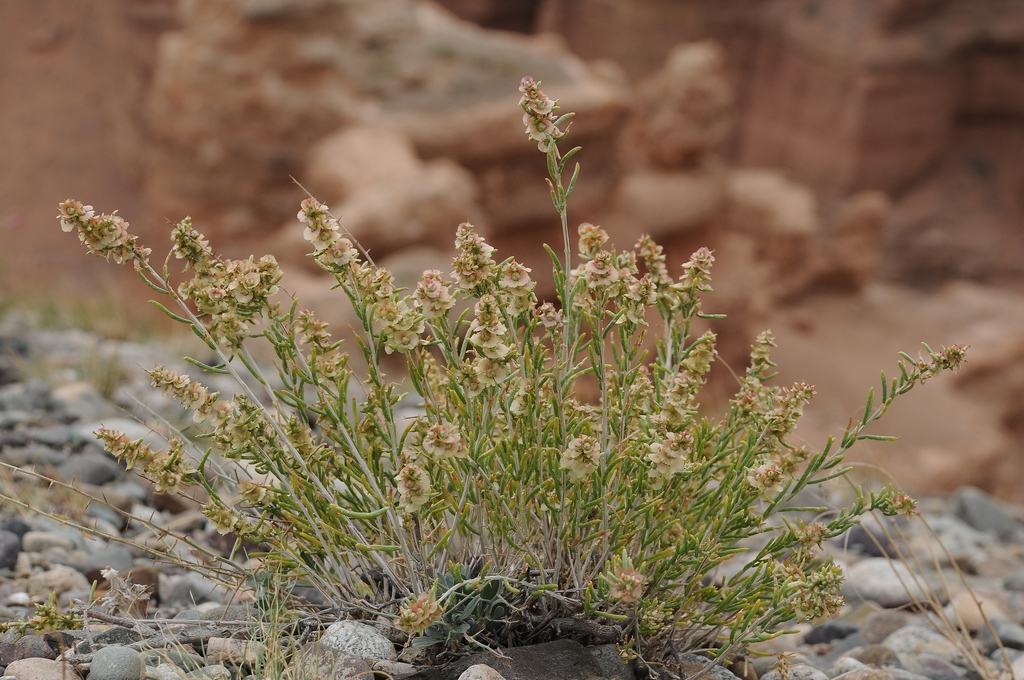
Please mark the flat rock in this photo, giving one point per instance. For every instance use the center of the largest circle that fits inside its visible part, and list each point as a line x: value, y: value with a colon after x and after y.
x: 359, y: 640
x: 889, y: 583
x: 42, y: 669
x: 116, y: 663
x: 317, y: 661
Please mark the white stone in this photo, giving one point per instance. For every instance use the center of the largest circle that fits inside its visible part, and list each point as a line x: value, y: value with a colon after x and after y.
x: 359, y: 639
x: 481, y: 672
x: 910, y: 642
x: 881, y: 579
x: 844, y: 664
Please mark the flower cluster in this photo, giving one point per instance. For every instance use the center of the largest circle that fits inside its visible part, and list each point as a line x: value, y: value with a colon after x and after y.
x: 231, y: 294
x: 400, y: 324
x: 810, y: 535
x: 580, y: 456
x: 626, y: 584
x: 413, y: 487
x: 817, y: 593
x: 516, y: 287
x: 192, y: 395
x: 474, y: 264
x: 420, y: 613
x: 433, y: 296
x: 223, y: 518
x: 539, y: 117
x: 443, y: 441
x: 611, y: 277
x: 767, y: 478
x: 333, y: 252
x: 165, y: 468
x: 103, y: 234
x: 891, y: 502
x: 950, y: 358
x: 488, y: 333
x: 670, y: 457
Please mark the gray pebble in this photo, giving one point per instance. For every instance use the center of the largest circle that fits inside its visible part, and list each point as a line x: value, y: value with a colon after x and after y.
x: 984, y: 513
x: 882, y: 623
x: 31, y: 396
x: 316, y: 660
x: 83, y: 402
x: 39, y: 541
x: 116, y: 663
x: 32, y: 454
x: 1010, y: 634
x: 884, y: 581
x: 10, y: 546
x: 89, y: 467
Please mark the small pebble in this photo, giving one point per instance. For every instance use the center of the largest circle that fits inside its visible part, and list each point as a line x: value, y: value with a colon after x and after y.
x: 116, y: 663
x: 359, y: 640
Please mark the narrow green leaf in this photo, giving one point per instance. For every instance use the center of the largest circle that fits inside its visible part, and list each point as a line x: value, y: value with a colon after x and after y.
x: 219, y: 370
x: 867, y: 407
x: 169, y: 313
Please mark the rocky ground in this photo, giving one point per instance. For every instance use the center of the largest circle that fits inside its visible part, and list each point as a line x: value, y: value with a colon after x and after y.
x: 896, y: 625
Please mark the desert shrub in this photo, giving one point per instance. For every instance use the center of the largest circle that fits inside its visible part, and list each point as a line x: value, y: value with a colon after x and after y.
x: 509, y: 500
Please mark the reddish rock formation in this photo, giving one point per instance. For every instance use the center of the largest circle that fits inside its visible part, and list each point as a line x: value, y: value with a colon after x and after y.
x: 904, y: 96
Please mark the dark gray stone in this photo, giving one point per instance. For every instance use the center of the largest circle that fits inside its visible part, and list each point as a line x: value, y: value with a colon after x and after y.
x: 10, y: 547
x: 830, y: 631
x: 612, y: 665
x: 558, y: 660
x: 33, y: 454
x: 1015, y: 581
x: 17, y: 526
x: 984, y: 513
x: 89, y: 467
x: 874, y: 655
x: 31, y: 396
x: 867, y: 542
x: 56, y: 436
x: 190, y: 590
x: 228, y: 612
x: 9, y: 371
x: 28, y: 647
x: 1010, y: 634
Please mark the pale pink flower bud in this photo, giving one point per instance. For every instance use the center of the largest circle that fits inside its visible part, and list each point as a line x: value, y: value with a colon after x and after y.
x: 418, y: 614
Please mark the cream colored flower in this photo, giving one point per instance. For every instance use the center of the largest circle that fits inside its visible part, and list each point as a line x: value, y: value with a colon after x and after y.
x: 413, y: 487
x: 580, y: 457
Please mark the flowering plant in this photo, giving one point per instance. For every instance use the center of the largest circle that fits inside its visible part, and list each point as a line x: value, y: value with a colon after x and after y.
x: 632, y: 507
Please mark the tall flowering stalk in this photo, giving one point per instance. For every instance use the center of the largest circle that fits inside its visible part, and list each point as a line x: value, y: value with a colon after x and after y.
x: 509, y: 498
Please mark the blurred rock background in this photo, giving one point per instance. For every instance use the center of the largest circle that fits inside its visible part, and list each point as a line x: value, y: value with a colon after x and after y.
x: 855, y: 165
